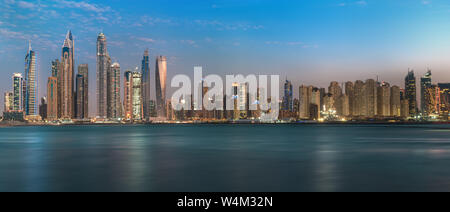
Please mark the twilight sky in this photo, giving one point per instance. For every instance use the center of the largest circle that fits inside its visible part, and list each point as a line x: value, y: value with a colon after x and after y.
x: 309, y: 41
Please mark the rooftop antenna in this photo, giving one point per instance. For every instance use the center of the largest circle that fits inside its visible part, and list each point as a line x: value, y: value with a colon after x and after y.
x: 29, y: 45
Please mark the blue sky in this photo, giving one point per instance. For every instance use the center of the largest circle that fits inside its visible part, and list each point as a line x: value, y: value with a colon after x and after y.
x: 309, y: 41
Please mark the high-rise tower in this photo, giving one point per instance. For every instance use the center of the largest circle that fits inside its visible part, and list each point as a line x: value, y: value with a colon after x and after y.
x: 102, y: 76
x: 411, y: 94
x: 114, y: 106
x: 161, y: 75
x: 66, y: 78
x: 146, y: 84
x: 30, y: 104
x: 426, y: 93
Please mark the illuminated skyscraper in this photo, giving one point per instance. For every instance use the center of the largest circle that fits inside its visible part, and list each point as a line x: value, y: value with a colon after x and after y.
x: 370, y: 98
x: 52, y: 99
x: 18, y: 92
x: 350, y: 92
x: 288, y: 104
x: 305, y: 93
x: 160, y: 78
x: 425, y: 94
x: 30, y: 104
x: 114, y: 106
x: 411, y: 94
x: 136, y: 95
x: 9, y: 101
x: 66, y: 78
x: 384, y: 100
x: 445, y: 100
x: 103, y: 64
x: 82, y: 92
x: 359, y: 105
x: 146, y: 84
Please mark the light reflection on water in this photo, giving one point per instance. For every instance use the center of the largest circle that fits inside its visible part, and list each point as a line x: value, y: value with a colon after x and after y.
x: 225, y: 158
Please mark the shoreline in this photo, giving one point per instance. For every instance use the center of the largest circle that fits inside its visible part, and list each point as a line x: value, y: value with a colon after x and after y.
x: 374, y: 123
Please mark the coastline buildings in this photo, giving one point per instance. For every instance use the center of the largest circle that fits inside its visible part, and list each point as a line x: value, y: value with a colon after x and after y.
x: 161, y: 77
x: 8, y: 101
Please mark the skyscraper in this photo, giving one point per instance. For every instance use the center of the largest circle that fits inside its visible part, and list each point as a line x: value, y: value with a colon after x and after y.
x: 411, y: 94
x: 30, y: 83
x: 18, y: 92
x: 9, y: 97
x: 113, y: 97
x: 83, y: 92
x: 350, y: 92
x: 79, y: 100
x: 359, y: 105
x: 127, y: 97
x: 161, y: 75
x: 43, y: 108
x: 425, y: 94
x: 370, y: 98
x: 384, y: 100
x: 288, y: 103
x: 396, y: 103
x: 52, y: 99
x: 136, y: 95
x: 66, y: 78
x: 305, y: 93
x: 103, y: 64
x: 146, y: 84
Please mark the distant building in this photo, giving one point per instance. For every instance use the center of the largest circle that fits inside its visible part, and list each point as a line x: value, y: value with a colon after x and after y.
x: 370, y: 98
x: 425, y: 94
x: 103, y: 65
x: 146, y: 84
x: 83, y: 92
x: 445, y: 100
x: 305, y: 93
x: 43, y: 108
x: 359, y: 103
x: 30, y: 102
x: 127, y: 97
x: 136, y: 96
x: 161, y: 77
x: 9, y: 101
x: 411, y: 94
x: 113, y: 96
x: 66, y: 78
x: 52, y: 99
x: 395, y: 101
x: 384, y: 100
x: 287, y: 103
x: 18, y: 91
x: 350, y: 92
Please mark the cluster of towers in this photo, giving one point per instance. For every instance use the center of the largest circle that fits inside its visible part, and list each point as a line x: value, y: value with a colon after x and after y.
x: 368, y: 99
x: 22, y: 99
x: 68, y: 93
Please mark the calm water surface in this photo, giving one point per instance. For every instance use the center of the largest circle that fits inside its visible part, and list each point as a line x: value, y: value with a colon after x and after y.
x: 225, y: 158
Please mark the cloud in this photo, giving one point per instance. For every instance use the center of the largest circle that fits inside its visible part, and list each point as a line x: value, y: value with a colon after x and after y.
x: 291, y: 43
x: 12, y: 34
x: 26, y: 5
x: 221, y: 26
x: 148, y: 40
x: 82, y: 5
x: 361, y: 3
x: 426, y: 2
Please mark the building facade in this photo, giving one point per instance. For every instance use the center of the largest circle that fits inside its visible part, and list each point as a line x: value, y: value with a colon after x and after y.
x: 160, y: 78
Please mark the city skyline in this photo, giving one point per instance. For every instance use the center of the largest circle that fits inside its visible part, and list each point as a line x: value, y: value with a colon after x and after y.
x: 303, y: 61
